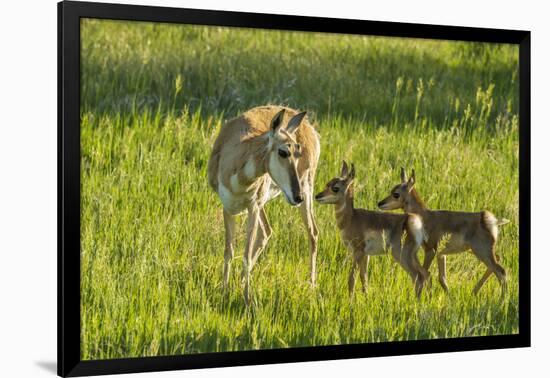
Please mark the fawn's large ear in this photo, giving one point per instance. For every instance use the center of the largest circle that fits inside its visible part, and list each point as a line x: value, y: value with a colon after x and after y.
x: 411, y: 182
x: 295, y: 122
x: 351, y: 174
x: 403, y: 176
x: 344, y: 171
x: 277, y: 121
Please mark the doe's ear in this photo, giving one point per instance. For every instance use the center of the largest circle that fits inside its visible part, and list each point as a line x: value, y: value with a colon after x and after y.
x: 344, y: 171
x: 403, y: 176
x: 413, y: 175
x: 295, y: 122
x: 277, y: 121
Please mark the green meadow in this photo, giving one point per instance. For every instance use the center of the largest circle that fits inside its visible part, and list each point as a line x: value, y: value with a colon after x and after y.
x: 153, y: 99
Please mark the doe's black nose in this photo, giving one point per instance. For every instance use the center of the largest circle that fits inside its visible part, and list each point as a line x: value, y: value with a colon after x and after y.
x: 298, y: 199
x: 380, y: 203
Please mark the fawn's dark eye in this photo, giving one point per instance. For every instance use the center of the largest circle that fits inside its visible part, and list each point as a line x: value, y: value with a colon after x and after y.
x: 284, y: 154
x: 395, y: 195
x: 335, y: 189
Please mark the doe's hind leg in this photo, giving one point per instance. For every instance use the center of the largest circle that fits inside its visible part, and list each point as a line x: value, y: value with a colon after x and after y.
x: 229, y: 223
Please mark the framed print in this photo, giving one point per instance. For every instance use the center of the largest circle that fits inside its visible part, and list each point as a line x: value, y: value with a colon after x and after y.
x: 239, y: 188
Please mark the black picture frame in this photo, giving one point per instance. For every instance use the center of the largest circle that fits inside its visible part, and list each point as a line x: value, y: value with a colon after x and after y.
x: 69, y: 14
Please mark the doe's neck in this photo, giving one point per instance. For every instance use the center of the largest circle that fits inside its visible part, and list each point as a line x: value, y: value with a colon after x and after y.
x: 258, y: 148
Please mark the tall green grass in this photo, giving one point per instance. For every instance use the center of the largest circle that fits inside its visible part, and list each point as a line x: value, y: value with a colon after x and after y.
x: 153, y: 97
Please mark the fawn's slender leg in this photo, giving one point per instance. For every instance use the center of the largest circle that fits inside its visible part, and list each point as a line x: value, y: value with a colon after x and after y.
x: 398, y: 255
x: 486, y: 276
x: 402, y: 256
x: 363, y: 272
x: 485, y: 253
x: 306, y: 211
x: 429, y: 255
x: 351, y: 278
x: 229, y: 223
x: 442, y: 270
x: 264, y: 234
x: 251, y: 231
x: 411, y: 250
x: 482, y: 281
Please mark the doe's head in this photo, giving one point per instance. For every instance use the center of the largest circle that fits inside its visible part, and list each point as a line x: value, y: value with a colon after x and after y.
x: 336, y: 189
x: 400, y: 194
x: 284, y: 152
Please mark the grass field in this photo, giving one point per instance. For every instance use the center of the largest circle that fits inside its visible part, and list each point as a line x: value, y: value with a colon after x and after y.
x: 153, y: 98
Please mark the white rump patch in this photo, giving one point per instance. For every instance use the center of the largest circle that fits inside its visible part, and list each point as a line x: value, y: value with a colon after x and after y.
x: 491, y: 222
x: 416, y: 228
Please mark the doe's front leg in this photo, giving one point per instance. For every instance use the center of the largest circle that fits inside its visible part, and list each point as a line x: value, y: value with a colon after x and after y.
x: 306, y: 212
x: 251, y: 231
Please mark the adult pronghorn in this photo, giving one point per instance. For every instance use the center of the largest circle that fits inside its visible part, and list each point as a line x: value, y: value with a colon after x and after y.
x: 264, y: 151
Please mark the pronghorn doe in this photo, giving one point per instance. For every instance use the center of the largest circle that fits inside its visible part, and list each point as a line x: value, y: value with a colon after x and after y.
x: 368, y: 233
x: 462, y: 231
x: 264, y: 151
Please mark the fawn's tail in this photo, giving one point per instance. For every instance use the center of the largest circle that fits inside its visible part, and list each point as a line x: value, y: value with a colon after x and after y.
x: 502, y: 221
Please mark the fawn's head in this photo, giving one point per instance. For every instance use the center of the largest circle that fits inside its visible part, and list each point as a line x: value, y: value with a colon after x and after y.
x: 283, y: 155
x: 338, y: 188
x: 400, y: 194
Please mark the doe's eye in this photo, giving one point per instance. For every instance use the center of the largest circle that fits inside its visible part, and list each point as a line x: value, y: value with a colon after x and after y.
x: 335, y: 189
x: 395, y: 195
x: 284, y: 154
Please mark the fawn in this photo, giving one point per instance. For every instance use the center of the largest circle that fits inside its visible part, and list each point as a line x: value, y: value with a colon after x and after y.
x: 465, y: 231
x: 368, y: 233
